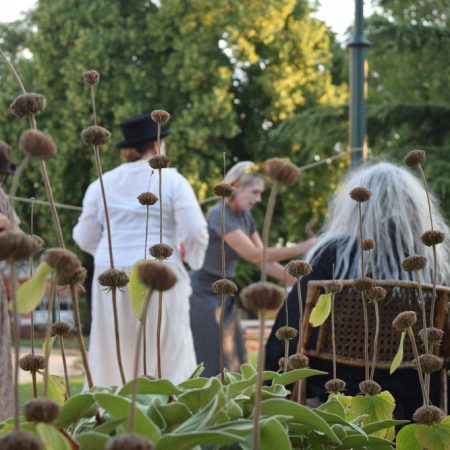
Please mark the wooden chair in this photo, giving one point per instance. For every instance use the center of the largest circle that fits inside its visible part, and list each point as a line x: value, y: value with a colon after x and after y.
x: 349, y: 325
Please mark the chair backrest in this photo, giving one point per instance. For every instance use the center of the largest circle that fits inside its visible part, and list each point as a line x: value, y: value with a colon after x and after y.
x: 349, y: 323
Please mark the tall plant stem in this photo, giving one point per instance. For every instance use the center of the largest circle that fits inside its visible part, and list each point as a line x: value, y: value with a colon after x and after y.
x: 259, y: 380
x: 422, y: 307
x: 146, y: 232
x: 48, y: 329
x: 16, y: 316
x: 333, y: 336
x: 158, y: 333
x: 375, y: 340
x: 132, y: 420
x: 82, y: 347
x: 222, y: 357
x: 266, y: 227
x: 105, y: 203
x: 365, y: 314
x: 66, y: 373
x: 116, y: 334
x: 419, y: 368
x: 33, y: 379
x: 144, y: 344
x: 160, y: 207
x: 15, y: 180
x: 433, y: 298
x: 13, y: 71
x: 286, y: 355
x: 300, y: 319
x: 30, y: 273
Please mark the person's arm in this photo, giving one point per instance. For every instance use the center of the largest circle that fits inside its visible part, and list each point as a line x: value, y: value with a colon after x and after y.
x: 89, y: 229
x: 250, y: 248
x: 191, y: 225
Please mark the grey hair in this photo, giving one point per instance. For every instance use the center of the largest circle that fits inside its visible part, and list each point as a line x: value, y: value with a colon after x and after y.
x: 395, y: 217
x: 241, y: 172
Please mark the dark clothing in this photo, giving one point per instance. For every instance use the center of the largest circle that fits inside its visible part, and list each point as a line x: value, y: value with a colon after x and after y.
x: 403, y: 384
x: 205, y: 304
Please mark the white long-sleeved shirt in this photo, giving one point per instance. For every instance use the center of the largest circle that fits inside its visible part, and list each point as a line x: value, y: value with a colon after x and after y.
x: 183, y: 220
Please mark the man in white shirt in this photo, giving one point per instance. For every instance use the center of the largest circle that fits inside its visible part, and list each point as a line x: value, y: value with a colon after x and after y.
x: 183, y: 223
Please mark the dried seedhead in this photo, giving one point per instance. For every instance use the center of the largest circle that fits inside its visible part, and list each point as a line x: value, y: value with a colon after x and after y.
x: 363, y: 284
x: 432, y: 237
x: 281, y: 171
x: 113, y: 279
x: 91, y: 77
x: 414, y: 263
x: 360, y: 194
x: 20, y: 440
x: 376, y: 294
x: 298, y: 268
x: 147, y: 199
x: 434, y: 335
x: 262, y: 295
x: 60, y: 328
x: 160, y: 116
x: 32, y: 363
x: 333, y: 286
x: 156, y: 276
x: 16, y: 245
x: 428, y: 415
x: 28, y: 104
x: 298, y: 361
x: 224, y: 190
x: 224, y: 286
x: 367, y: 245
x: 41, y: 410
x: 158, y: 162
x: 286, y: 333
x: 161, y: 251
x: 95, y: 135
x: 129, y: 442
x: 430, y: 363
x: 369, y: 387
x: 404, y: 320
x: 71, y: 278
x: 63, y: 261
x: 37, y: 145
x: 415, y: 157
x: 335, y: 386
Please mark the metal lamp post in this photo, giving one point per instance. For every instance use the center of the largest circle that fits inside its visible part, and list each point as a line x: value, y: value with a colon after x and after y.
x: 357, y: 103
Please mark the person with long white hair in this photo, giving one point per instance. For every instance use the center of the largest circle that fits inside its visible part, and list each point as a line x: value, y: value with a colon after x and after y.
x: 395, y: 217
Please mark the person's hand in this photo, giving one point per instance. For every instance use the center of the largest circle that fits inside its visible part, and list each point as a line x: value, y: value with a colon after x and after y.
x: 5, y: 224
x: 307, y: 245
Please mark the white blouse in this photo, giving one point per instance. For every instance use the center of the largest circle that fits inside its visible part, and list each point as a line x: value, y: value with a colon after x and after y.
x: 183, y: 220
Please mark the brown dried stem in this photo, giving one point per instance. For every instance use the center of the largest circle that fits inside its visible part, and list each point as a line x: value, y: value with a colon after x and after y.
x: 48, y: 329
x: 16, y: 331
x: 158, y: 333
x: 66, y: 373
x: 375, y: 340
x: 419, y: 368
x: 116, y: 334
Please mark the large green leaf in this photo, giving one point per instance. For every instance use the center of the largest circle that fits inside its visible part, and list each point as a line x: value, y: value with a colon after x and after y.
x: 377, y: 407
x: 174, y: 413
x: 119, y: 407
x: 406, y: 438
x: 331, y: 418
x: 435, y: 437
x: 185, y: 441
x: 359, y: 441
x: 199, y: 420
x: 193, y: 383
x: 321, y: 311
x: 146, y: 386
x: 300, y: 414
x: 274, y: 436
x: 77, y: 407
x: 398, y: 358
x: 197, y: 371
x: 109, y: 426
x: 92, y: 440
x: 333, y: 406
x: 294, y: 375
x: 136, y: 290
x: 196, y: 399
x: 51, y: 437
x: 30, y: 293
x: 383, y: 425
x: 247, y: 371
x: 57, y: 390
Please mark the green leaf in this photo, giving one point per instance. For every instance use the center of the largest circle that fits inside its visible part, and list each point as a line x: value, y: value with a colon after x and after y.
x: 435, y: 437
x: 333, y: 406
x: 146, y: 386
x: 185, y: 441
x: 197, y: 371
x: 57, y: 390
x: 199, y: 420
x: 274, y: 436
x: 92, y: 440
x: 382, y: 425
x: 77, y: 407
x: 109, y: 426
x: 247, y: 371
x: 136, y: 290
x: 377, y: 407
x: 51, y: 340
x: 30, y: 293
x: 359, y: 441
x: 174, y: 413
x: 321, y: 311
x: 196, y: 399
x: 119, y: 407
x: 193, y: 383
x: 406, y: 438
x: 294, y: 375
x: 398, y: 358
x: 51, y: 437
x: 300, y: 414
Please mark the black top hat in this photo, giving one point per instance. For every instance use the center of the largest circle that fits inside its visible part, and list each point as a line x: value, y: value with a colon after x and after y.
x: 6, y: 168
x: 140, y: 130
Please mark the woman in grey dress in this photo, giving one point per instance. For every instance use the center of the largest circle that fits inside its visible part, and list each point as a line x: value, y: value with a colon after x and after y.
x: 242, y: 240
